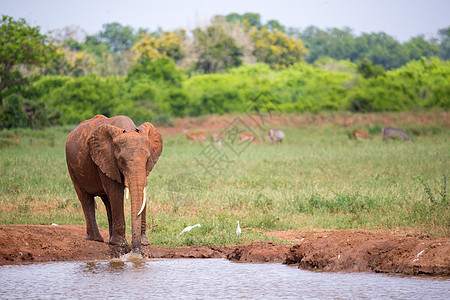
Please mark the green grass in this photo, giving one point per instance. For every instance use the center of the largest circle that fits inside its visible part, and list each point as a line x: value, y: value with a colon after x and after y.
x: 318, y: 178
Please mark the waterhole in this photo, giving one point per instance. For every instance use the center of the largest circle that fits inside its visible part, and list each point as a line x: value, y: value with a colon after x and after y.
x: 133, y: 277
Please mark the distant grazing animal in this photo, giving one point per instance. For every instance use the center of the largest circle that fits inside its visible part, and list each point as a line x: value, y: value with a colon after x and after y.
x: 16, y: 139
x: 217, y: 138
x: 394, y: 133
x: 197, y: 136
x: 361, y: 134
x: 248, y: 137
x: 276, y: 136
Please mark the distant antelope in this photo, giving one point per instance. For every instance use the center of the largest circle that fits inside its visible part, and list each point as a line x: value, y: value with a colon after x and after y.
x: 217, y: 138
x: 197, y: 136
x: 361, y: 134
x: 244, y: 137
x: 276, y: 136
x: 16, y: 139
x: 393, y: 133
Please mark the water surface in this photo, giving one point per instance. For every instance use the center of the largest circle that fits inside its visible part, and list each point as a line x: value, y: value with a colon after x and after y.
x: 205, y: 279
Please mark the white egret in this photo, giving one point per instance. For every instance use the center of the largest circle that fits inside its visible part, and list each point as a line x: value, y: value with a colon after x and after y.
x: 238, y: 229
x: 189, y: 228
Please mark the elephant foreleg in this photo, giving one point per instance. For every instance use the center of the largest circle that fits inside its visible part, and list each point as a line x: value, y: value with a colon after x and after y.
x: 114, y: 194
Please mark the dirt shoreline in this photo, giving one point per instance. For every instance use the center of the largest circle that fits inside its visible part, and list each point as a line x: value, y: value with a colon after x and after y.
x: 337, y: 250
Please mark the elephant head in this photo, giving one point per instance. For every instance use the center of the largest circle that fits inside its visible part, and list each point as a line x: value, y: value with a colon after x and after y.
x: 127, y: 157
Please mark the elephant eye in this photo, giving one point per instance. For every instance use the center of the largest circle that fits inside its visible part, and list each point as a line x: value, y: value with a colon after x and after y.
x: 121, y: 160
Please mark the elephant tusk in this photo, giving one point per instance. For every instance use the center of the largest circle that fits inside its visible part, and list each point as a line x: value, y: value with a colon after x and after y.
x: 127, y: 191
x: 143, y: 201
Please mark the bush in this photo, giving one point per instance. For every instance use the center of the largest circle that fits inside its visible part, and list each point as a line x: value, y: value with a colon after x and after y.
x: 422, y: 83
x: 161, y: 70
x: 18, y: 111
x: 84, y: 97
x: 12, y: 113
x: 305, y: 88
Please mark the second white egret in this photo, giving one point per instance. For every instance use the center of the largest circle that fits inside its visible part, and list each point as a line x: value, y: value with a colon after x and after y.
x: 238, y: 229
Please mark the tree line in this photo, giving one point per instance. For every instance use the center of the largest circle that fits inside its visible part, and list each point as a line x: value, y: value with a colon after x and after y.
x: 234, y: 63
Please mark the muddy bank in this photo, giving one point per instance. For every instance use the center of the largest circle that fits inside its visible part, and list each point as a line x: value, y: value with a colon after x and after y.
x: 344, y: 250
x: 366, y: 251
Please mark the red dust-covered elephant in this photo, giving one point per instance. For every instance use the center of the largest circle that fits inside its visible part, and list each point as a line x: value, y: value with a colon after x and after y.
x: 104, y: 156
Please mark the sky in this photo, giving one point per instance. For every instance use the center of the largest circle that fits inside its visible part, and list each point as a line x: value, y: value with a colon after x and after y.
x: 402, y: 19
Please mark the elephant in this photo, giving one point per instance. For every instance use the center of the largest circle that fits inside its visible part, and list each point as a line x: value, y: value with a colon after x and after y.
x: 104, y: 156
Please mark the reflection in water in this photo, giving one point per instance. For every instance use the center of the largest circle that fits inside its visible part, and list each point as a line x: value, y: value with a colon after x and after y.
x: 115, y: 266
x: 204, y: 278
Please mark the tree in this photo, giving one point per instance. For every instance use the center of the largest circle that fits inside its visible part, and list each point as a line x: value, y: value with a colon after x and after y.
x: 339, y: 44
x: 253, y: 20
x: 215, y: 50
x: 277, y: 49
x: 381, y: 49
x: 444, y: 35
x: 118, y: 38
x: 247, y: 20
x: 22, y: 46
x: 167, y: 44
x: 419, y: 47
x: 272, y: 24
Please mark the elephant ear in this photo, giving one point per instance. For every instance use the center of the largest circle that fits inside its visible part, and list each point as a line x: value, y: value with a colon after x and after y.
x: 156, y: 144
x: 102, y: 150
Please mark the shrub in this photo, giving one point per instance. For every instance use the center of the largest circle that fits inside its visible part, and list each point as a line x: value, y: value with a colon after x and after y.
x: 84, y: 97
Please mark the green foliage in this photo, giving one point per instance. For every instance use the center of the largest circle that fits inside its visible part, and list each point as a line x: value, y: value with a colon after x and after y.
x: 215, y: 93
x: 216, y: 50
x: 274, y: 24
x: 379, y: 48
x: 117, y: 37
x: 82, y: 98
x: 330, y: 64
x: 155, y: 88
x: 420, y: 83
x: 158, y: 87
x: 367, y: 70
x: 418, y: 47
x: 18, y: 111
x: 335, y: 43
x: 12, y: 113
x: 305, y: 88
x: 247, y: 19
x: 161, y: 70
x: 45, y: 85
x: 444, y: 46
x: 22, y: 47
x: 382, y: 49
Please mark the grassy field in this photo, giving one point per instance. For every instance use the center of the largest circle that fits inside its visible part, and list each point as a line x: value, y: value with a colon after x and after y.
x: 318, y: 178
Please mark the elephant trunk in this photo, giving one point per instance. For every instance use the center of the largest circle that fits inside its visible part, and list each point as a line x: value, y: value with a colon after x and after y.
x: 137, y: 191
